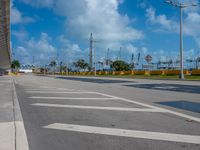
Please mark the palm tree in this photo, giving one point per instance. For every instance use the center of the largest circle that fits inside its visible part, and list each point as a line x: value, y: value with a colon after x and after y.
x: 15, y: 65
x: 81, y: 64
x: 53, y: 65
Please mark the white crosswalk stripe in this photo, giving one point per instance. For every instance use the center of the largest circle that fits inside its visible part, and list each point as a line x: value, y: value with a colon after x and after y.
x: 97, y: 108
x: 127, y: 133
x: 71, y: 98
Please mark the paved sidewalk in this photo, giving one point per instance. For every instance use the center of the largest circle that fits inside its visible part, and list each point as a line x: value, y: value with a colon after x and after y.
x: 7, y: 129
x: 12, y: 132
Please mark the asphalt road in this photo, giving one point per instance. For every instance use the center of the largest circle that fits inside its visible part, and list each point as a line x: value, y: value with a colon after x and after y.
x: 75, y: 113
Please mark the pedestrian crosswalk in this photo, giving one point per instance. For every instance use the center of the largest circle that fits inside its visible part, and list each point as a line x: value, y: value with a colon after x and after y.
x: 48, y: 98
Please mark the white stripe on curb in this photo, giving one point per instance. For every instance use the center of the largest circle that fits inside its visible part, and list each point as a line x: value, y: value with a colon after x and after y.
x: 127, y: 133
x: 96, y: 108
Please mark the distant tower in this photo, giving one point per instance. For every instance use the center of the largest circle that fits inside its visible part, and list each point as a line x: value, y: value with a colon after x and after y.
x: 107, y: 57
x: 33, y: 60
x: 120, y: 51
x: 91, y: 49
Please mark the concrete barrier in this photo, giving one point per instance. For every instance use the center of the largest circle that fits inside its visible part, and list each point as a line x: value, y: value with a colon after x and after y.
x: 175, y: 72
x: 157, y: 72
x: 144, y: 72
x: 195, y: 72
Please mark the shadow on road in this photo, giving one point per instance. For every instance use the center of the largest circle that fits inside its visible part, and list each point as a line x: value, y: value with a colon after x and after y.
x: 186, y: 105
x: 94, y: 80
x: 169, y: 87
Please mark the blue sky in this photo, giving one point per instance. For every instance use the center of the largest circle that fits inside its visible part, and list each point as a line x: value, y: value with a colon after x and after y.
x: 49, y: 29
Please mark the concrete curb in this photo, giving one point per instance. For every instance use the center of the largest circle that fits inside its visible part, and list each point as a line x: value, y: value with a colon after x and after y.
x: 21, y: 142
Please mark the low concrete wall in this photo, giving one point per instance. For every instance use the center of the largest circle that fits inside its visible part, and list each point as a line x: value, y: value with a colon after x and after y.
x: 195, y: 72
x: 142, y: 72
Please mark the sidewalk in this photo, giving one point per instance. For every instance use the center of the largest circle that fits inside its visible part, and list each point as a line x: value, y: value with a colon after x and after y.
x: 7, y: 131
x: 12, y: 132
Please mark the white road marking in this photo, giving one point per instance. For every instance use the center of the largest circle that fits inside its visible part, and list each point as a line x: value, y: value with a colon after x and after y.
x: 165, y: 87
x: 96, y: 107
x: 147, y: 105
x: 50, y: 90
x: 155, y: 107
x: 8, y: 81
x: 72, y: 98
x: 194, y: 139
x: 59, y: 92
x: 130, y: 101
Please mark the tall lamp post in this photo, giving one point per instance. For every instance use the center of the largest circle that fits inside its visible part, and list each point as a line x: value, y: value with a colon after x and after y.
x: 180, y: 5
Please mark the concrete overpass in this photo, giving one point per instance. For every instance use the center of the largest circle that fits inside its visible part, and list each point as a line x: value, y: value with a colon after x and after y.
x: 5, y: 53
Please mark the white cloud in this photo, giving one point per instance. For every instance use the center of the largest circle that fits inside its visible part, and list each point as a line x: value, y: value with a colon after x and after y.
x: 131, y: 49
x: 161, y: 20
x: 191, y: 23
x: 41, y: 49
x: 98, y: 16
x: 42, y: 45
x: 20, y: 34
x: 70, y: 51
x: 17, y: 17
x: 142, y: 3
x: 105, y: 21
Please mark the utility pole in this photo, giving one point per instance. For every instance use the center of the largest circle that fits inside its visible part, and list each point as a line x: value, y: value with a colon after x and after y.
x: 13, y: 56
x: 107, y: 57
x: 120, y: 51
x: 91, y: 51
x: 181, y: 6
x: 33, y: 60
x: 132, y: 61
x: 95, y: 68
x: 92, y: 48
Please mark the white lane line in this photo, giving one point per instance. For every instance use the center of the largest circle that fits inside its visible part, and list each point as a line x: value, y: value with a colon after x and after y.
x: 127, y: 133
x: 5, y: 81
x: 96, y: 108
x: 59, y: 92
x: 53, y: 90
x: 130, y: 101
x: 71, y: 98
x: 155, y: 107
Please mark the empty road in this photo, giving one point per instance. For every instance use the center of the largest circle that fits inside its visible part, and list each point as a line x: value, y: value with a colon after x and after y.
x: 86, y: 113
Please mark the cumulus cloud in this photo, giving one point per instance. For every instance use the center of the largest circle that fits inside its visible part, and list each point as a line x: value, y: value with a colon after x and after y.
x: 70, y: 51
x: 142, y: 3
x: 41, y: 49
x: 98, y: 16
x: 161, y: 20
x: 17, y: 17
x: 102, y: 18
x: 20, y: 34
x: 191, y: 22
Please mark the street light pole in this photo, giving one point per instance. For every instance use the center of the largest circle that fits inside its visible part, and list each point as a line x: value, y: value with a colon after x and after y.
x: 181, y: 46
x: 95, y: 69
x: 180, y: 5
